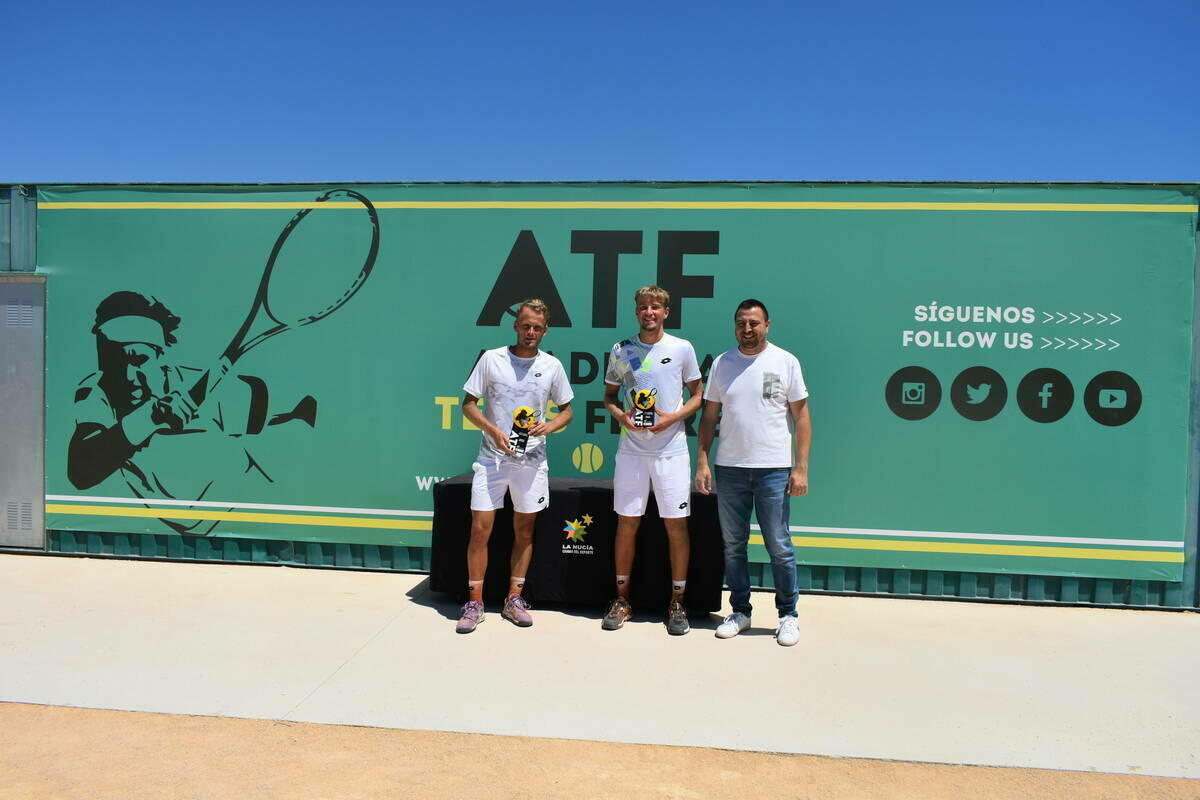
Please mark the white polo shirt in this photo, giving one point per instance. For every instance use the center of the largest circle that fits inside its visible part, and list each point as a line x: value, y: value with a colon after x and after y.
x: 754, y: 393
x: 662, y: 369
x: 506, y: 384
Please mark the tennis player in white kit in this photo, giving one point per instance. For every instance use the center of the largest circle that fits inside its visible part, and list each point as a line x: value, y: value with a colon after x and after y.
x: 516, y: 383
x: 643, y: 391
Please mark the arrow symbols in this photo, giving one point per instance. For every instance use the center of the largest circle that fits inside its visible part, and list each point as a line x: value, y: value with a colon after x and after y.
x: 1098, y: 318
x: 1082, y: 344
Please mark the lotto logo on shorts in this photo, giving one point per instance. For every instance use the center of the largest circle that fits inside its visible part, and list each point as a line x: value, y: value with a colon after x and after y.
x: 683, y: 505
x: 541, y: 500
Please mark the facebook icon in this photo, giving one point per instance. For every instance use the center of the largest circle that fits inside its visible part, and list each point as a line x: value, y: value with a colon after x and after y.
x: 1045, y: 395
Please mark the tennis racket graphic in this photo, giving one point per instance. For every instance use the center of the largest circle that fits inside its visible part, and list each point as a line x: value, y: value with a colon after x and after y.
x: 313, y: 270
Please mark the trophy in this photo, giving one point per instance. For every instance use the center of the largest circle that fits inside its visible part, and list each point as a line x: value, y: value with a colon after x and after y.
x: 523, y: 419
x: 642, y: 413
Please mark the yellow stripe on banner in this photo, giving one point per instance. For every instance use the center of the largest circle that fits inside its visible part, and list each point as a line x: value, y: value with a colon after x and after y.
x: 982, y: 549
x: 619, y: 205
x: 243, y: 516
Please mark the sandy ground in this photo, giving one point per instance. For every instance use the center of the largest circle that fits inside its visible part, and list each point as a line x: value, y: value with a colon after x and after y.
x: 55, y: 752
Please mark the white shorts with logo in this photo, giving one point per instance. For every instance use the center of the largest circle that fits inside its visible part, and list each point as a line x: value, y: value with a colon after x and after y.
x: 528, y: 486
x: 670, y: 476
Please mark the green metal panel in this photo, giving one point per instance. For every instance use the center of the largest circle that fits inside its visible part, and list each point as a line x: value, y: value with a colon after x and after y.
x: 18, y: 228
x: 812, y: 580
x: 849, y: 277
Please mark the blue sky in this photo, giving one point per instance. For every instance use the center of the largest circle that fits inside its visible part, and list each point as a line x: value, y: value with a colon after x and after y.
x: 651, y: 91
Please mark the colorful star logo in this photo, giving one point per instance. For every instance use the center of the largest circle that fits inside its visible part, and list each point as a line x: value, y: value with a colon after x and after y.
x: 587, y: 519
x: 576, y: 530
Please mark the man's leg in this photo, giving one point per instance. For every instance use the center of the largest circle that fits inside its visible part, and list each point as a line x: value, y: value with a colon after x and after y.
x: 522, y: 551
x: 734, y: 500
x: 477, y: 558
x: 631, y: 491
x: 487, y: 494
x: 771, y: 501
x: 625, y: 547
x: 672, y: 481
x: 679, y: 548
x: 477, y: 552
x: 530, y: 490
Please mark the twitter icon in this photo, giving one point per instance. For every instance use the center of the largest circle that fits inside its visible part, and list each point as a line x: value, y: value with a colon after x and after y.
x: 977, y: 394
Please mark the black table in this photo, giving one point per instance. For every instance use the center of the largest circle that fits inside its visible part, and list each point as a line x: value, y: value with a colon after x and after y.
x: 577, y: 571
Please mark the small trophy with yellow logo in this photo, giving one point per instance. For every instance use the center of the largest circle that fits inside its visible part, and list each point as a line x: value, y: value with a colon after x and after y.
x: 643, y: 410
x: 523, y: 419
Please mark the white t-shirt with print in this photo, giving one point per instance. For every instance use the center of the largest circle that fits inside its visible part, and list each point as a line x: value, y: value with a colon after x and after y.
x: 510, y: 386
x: 754, y: 393
x: 659, y: 370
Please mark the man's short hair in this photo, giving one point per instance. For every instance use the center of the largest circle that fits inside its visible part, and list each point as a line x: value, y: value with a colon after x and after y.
x: 537, y: 307
x: 750, y: 303
x: 132, y: 304
x: 654, y: 293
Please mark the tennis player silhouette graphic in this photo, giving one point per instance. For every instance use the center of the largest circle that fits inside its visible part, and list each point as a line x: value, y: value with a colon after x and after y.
x: 169, y: 429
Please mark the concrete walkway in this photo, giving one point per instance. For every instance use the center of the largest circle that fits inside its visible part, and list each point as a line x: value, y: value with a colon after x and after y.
x: 949, y: 682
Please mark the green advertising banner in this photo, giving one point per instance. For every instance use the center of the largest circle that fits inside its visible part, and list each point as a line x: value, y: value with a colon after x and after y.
x: 1000, y: 374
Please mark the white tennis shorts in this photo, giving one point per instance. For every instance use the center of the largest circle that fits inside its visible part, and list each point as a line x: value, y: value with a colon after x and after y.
x: 528, y: 486
x: 670, y: 476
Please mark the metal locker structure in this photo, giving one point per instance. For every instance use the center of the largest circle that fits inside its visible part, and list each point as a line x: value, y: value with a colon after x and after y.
x: 22, y: 410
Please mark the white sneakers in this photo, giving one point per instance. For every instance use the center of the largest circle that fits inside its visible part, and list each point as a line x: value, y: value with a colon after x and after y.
x: 734, y: 624
x: 787, y: 634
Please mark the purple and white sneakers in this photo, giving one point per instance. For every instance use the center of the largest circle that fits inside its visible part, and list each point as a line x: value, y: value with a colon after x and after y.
x: 472, y: 615
x: 516, y: 611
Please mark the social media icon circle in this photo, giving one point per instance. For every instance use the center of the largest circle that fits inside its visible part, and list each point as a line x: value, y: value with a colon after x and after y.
x: 1045, y: 395
x: 913, y: 393
x: 978, y: 393
x: 1112, y: 398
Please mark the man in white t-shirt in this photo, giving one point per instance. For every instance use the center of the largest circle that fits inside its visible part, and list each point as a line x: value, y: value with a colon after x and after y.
x: 643, y: 390
x: 757, y: 390
x: 516, y: 383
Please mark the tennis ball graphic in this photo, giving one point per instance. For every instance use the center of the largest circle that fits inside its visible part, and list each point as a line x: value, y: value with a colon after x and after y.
x: 587, y: 457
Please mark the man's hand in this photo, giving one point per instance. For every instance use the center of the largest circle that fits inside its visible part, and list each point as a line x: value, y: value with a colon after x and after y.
x: 798, y: 482
x: 704, y: 482
x: 541, y: 429
x: 500, y: 438
x: 665, y: 421
x: 172, y: 411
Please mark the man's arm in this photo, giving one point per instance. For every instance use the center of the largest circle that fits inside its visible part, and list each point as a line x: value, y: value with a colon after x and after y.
x: 612, y: 401
x: 686, y: 410
x: 561, y: 420
x: 708, y: 431
x: 472, y: 411
x: 798, y: 480
x: 97, y: 450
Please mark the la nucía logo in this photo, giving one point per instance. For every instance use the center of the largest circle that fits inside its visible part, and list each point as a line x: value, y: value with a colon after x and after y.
x: 575, y: 530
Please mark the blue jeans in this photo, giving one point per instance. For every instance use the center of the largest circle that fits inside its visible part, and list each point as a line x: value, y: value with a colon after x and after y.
x: 764, y: 489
